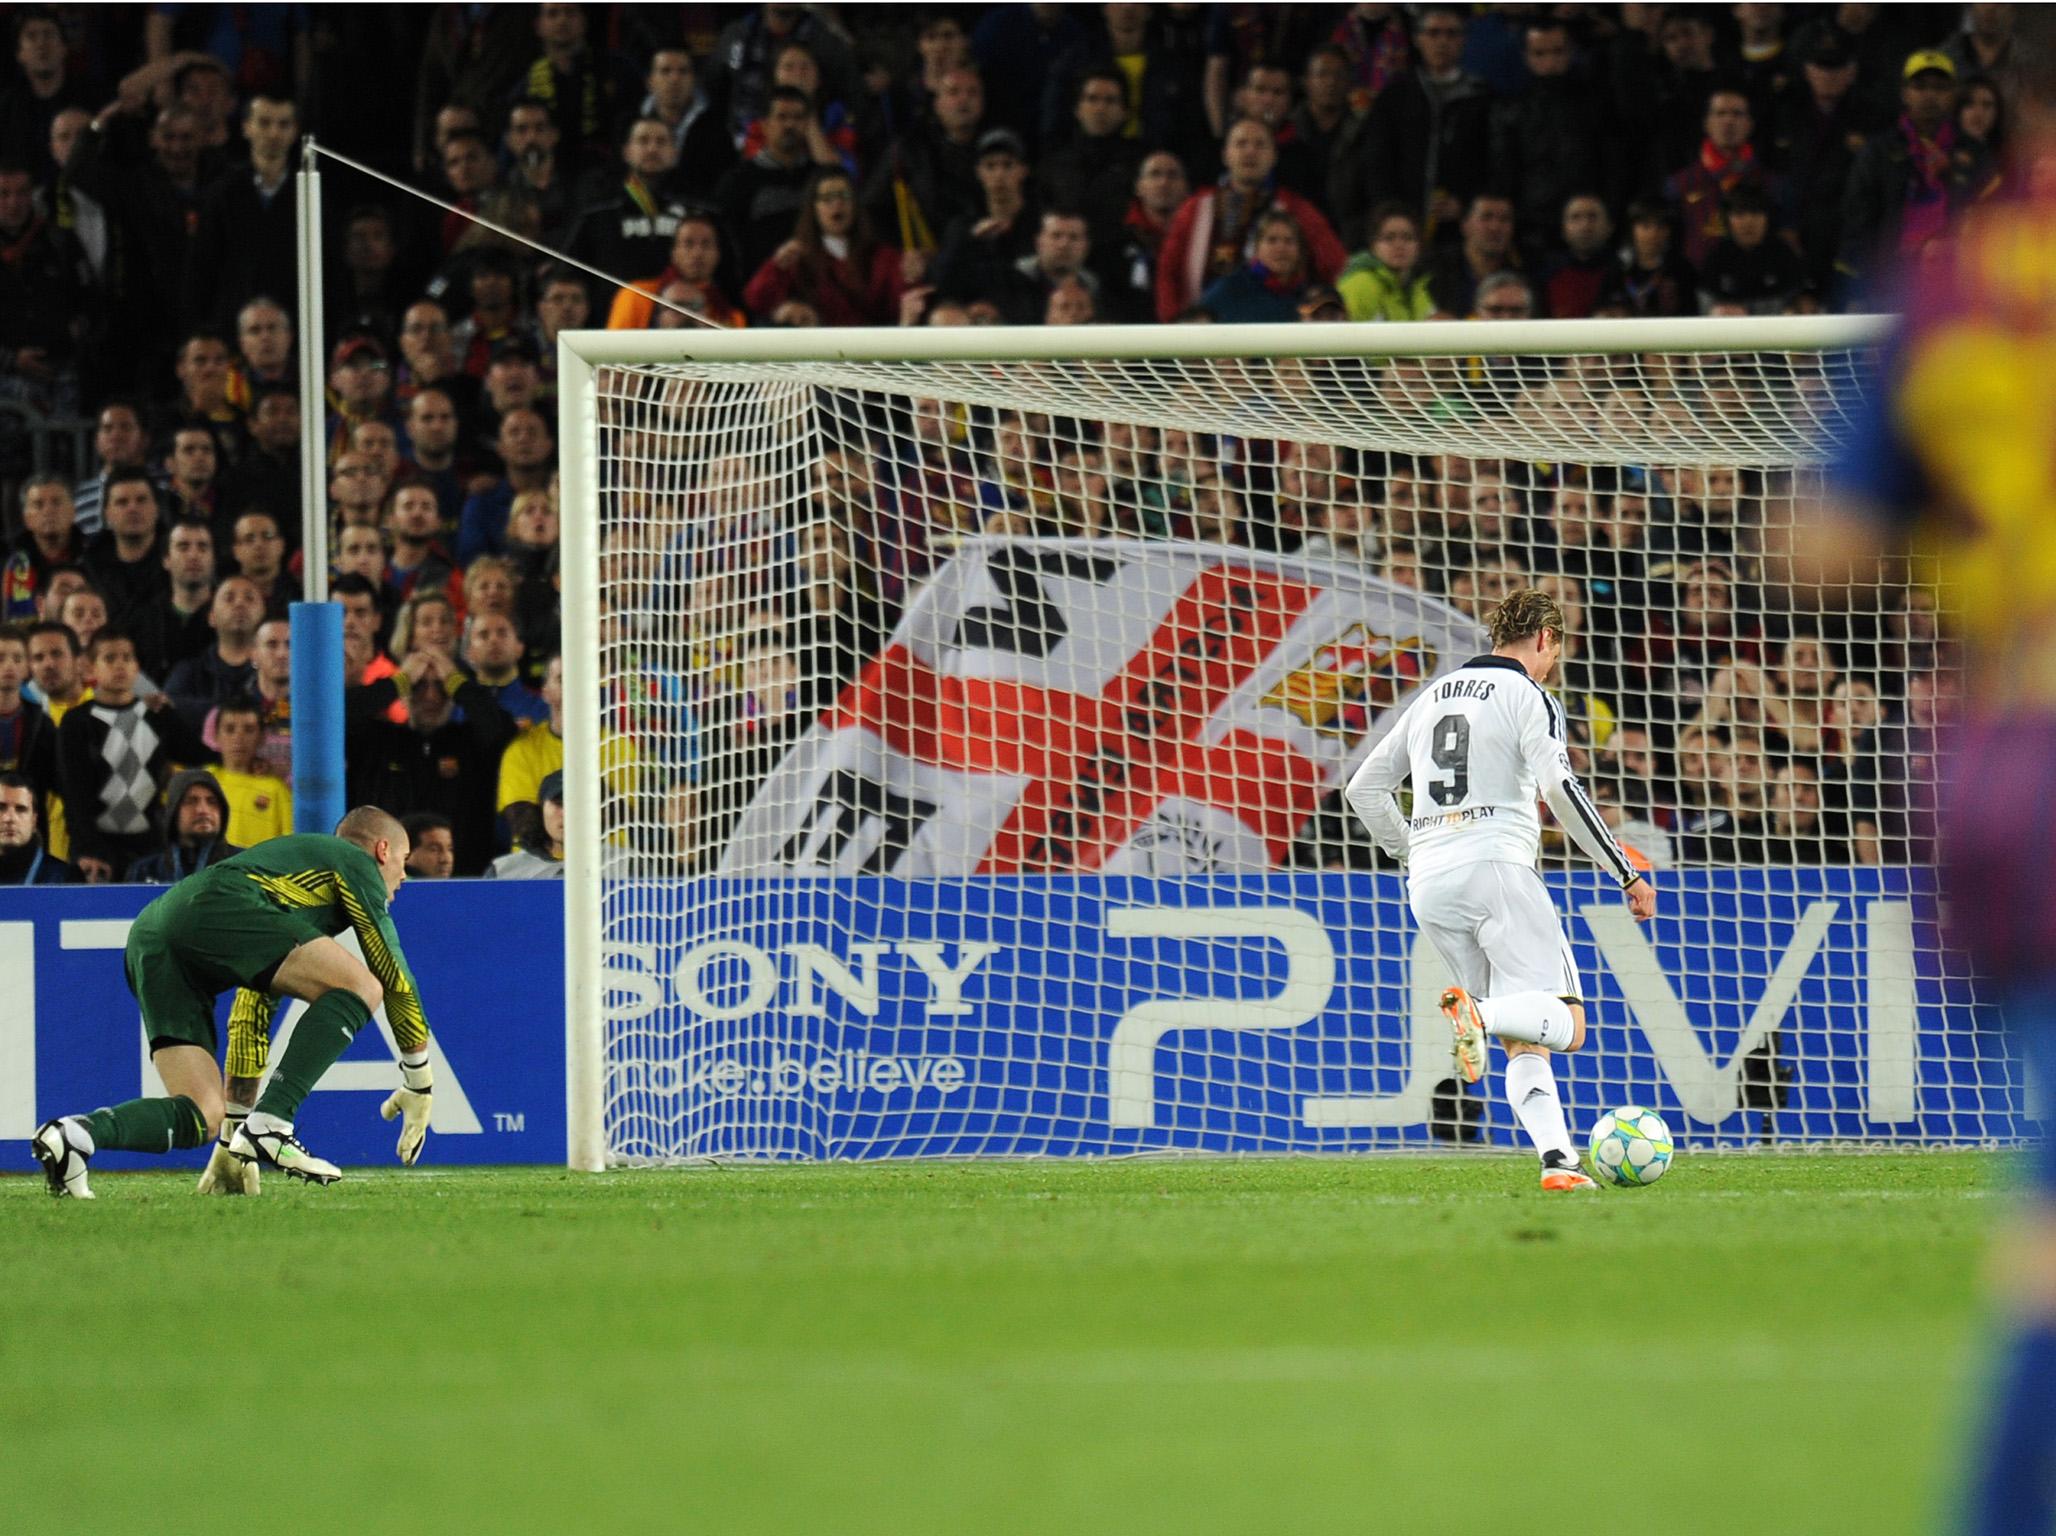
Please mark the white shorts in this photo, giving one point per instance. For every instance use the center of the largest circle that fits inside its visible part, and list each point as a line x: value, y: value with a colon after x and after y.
x: 1497, y: 928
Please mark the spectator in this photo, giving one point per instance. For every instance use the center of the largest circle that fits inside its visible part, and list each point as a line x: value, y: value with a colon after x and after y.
x: 540, y: 853
x: 624, y: 228
x: 1504, y: 296
x: 49, y: 538
x: 1063, y: 244
x: 356, y: 491
x: 28, y: 739
x: 228, y: 667
x: 1983, y: 46
x: 1095, y: 170
x: 1575, y: 276
x: 267, y: 473
x: 760, y: 199
x: 173, y: 625
x: 432, y: 428
x: 1487, y: 248
x: 192, y: 470
x: 1266, y: 288
x: 244, y: 246
x: 1427, y: 141
x: 260, y: 548
x: 1209, y: 234
x: 1866, y: 784
x: 978, y: 249
x: 23, y: 858
x: 363, y: 602
x: 688, y: 282
x: 1981, y: 137
x: 358, y: 551
x: 55, y: 674
x: 42, y: 288
x: 1160, y: 190
x: 1906, y: 181
x: 930, y: 172
x: 496, y: 314
x: 1652, y: 279
x: 1070, y: 303
x: 260, y: 800
x: 528, y: 452
x: 1795, y: 829
x: 84, y: 612
x: 1815, y: 137
x: 428, y: 358
x: 513, y: 381
x: 562, y: 304
x: 437, y: 760
x: 195, y: 831
x: 365, y: 291
x: 264, y: 352
x: 1556, y: 139
x: 125, y: 560
x: 587, y: 92
x: 427, y: 621
x: 704, y: 150
x: 1726, y: 162
x: 273, y: 696
x: 492, y: 652
x: 833, y: 262
x: 114, y: 755
x: 1746, y: 267
x: 203, y: 379
x: 468, y: 174
x: 432, y: 851
x: 413, y: 523
x: 533, y: 164
x: 1661, y: 95
x: 1318, y: 125
x: 118, y: 443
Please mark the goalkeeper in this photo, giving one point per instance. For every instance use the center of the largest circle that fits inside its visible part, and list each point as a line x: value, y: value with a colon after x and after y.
x: 265, y: 922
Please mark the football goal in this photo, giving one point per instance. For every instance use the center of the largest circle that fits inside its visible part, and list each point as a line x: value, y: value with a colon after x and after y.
x: 957, y: 720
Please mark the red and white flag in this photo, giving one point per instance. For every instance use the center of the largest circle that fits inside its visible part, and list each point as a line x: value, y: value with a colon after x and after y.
x: 1091, y: 705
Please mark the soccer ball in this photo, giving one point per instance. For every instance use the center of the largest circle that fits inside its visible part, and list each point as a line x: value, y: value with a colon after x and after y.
x: 1629, y: 1147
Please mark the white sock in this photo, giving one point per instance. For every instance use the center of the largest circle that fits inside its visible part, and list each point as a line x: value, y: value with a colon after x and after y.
x: 232, y: 1117
x: 260, y: 1121
x: 1531, y: 1090
x: 1539, y: 1018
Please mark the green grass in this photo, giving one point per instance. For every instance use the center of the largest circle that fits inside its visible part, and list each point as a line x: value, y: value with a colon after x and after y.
x: 1758, y: 1344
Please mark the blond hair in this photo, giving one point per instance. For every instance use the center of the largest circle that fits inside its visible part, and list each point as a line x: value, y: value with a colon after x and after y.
x: 1524, y: 614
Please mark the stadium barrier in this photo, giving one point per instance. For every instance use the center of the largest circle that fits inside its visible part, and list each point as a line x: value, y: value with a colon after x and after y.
x: 1271, y: 1013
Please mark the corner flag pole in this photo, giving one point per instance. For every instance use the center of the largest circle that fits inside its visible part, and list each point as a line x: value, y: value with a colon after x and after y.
x: 317, y: 686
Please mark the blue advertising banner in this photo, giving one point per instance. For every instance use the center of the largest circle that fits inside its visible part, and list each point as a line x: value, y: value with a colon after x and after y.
x: 1072, y: 1014
x: 489, y: 956
x: 1078, y: 1015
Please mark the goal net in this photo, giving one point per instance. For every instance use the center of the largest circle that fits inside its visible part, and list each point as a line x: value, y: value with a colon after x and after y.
x: 959, y: 720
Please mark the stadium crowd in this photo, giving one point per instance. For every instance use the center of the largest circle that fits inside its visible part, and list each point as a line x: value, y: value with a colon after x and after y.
x: 952, y: 165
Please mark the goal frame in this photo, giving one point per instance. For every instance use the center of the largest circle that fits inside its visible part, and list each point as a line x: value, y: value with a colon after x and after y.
x: 581, y: 353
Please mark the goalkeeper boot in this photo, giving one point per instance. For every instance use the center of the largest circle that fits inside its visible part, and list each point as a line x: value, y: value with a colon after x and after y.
x: 63, y: 1148
x: 1560, y: 1171
x: 274, y: 1144
x: 1463, y: 1018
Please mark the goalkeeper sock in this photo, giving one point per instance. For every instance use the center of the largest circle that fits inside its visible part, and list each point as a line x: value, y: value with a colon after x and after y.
x: 148, y: 1125
x: 2016, y: 1478
x: 324, y: 1032
x: 1531, y: 1090
x: 1539, y: 1018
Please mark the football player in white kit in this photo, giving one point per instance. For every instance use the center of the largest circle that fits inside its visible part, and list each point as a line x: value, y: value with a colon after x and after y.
x: 1481, y: 745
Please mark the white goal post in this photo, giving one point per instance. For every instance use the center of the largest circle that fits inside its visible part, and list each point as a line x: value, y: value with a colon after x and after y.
x: 954, y: 720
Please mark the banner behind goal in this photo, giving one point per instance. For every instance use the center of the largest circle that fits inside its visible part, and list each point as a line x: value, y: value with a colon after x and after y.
x: 963, y: 727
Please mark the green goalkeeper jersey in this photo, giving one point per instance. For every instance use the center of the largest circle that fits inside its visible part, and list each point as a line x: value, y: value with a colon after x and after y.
x: 324, y: 882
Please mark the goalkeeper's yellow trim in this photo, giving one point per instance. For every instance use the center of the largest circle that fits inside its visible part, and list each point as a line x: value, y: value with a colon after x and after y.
x: 249, y: 1032
x: 319, y: 888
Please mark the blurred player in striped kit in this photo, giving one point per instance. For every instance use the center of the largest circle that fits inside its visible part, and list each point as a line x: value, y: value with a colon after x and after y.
x: 1954, y: 466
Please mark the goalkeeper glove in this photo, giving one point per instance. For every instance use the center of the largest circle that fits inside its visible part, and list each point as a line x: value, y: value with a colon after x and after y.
x: 411, y: 1102
x: 224, y: 1174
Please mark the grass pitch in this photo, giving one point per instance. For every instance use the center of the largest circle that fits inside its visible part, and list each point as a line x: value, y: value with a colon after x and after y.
x: 1758, y: 1344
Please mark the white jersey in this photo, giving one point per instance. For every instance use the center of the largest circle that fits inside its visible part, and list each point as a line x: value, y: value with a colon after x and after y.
x: 1482, y: 745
